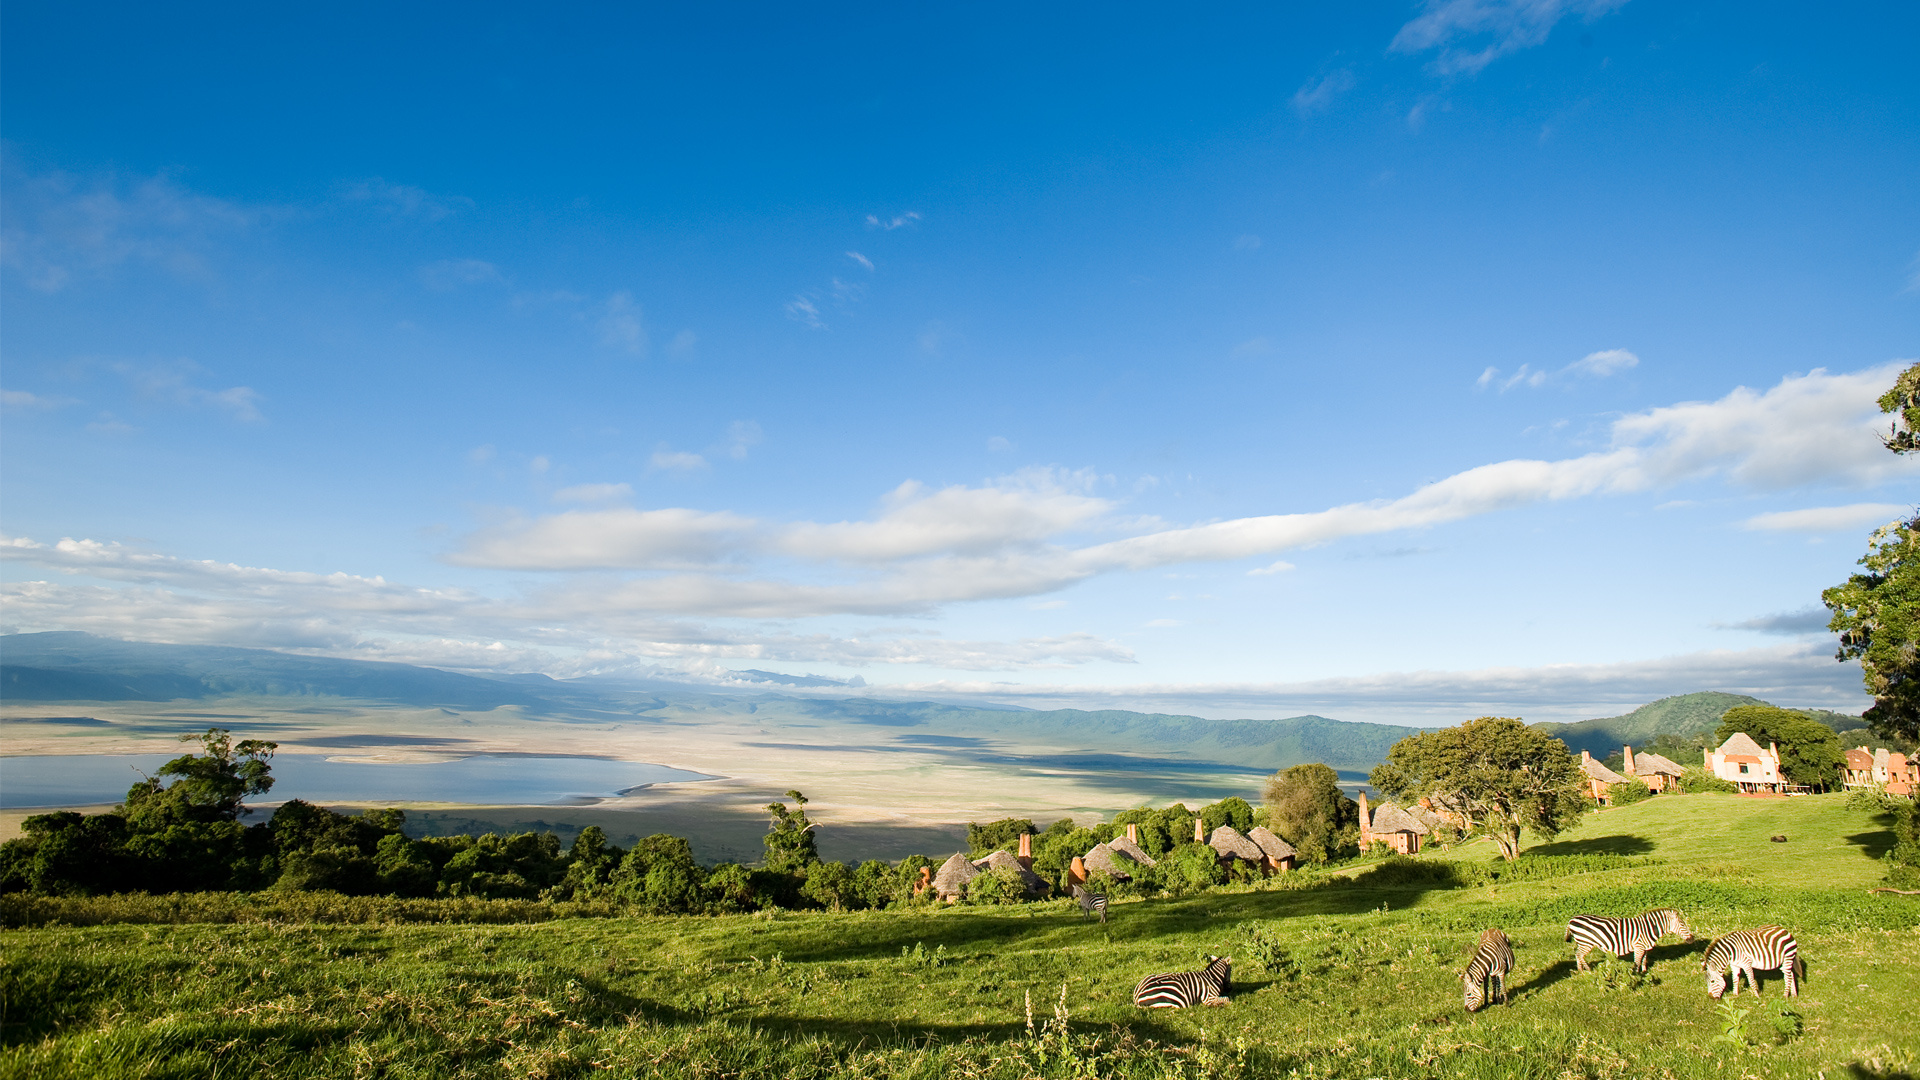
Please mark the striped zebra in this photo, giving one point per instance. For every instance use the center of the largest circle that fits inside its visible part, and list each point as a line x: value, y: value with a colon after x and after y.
x: 1636, y: 934
x: 1770, y: 948
x: 1183, y: 989
x: 1492, y: 960
x: 1091, y: 903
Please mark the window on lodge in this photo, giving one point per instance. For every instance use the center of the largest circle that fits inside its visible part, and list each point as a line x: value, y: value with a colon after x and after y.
x: 1743, y: 770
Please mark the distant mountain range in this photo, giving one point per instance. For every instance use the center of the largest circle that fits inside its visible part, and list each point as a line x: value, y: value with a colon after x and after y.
x: 73, y: 667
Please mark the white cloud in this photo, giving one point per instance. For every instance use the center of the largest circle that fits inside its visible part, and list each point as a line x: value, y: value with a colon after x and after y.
x: 1603, y: 363
x: 1021, y: 510
x: 802, y: 310
x: 861, y: 259
x: 1821, y: 519
x: 1471, y: 34
x: 742, y: 436
x: 998, y: 444
x: 1317, y: 95
x: 594, y: 493
x: 665, y: 460
x: 22, y: 399
x: 60, y: 230
x: 620, y: 326
x: 170, y: 384
x: 603, y: 539
x: 683, y: 343
x: 1280, y: 567
x: 1247, y: 242
x: 875, y: 221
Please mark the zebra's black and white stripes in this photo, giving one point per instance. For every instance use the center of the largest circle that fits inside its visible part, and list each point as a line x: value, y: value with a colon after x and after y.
x: 1635, y: 934
x: 1492, y: 960
x: 1769, y: 948
x: 1184, y: 989
x: 1091, y: 903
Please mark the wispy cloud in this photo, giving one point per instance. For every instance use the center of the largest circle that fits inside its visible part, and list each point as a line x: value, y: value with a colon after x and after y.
x: 171, y: 384
x: 404, y: 200
x: 1597, y: 365
x: 1316, y: 96
x: 900, y: 221
x: 802, y: 310
x: 861, y: 259
x: 620, y: 325
x: 449, y: 274
x: 593, y: 493
x: 1470, y: 34
x: 24, y: 399
x: 1823, y: 519
x: 667, y: 460
x: 743, y: 436
x: 60, y: 230
x: 1812, y: 620
x: 1279, y: 567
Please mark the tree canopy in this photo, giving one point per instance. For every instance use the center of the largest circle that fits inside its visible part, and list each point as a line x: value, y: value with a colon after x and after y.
x: 1810, y: 752
x: 1877, y: 615
x: 790, y: 843
x: 1497, y: 772
x: 1306, y: 808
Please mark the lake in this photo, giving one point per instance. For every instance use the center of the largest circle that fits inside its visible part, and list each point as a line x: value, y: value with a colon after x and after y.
x: 498, y: 779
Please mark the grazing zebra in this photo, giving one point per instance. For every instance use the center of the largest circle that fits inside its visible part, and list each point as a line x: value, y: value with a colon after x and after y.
x: 1183, y: 989
x: 1091, y: 903
x: 1619, y: 937
x: 1770, y: 948
x: 1492, y: 960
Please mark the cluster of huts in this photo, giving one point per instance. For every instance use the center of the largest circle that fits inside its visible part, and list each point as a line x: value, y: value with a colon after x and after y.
x: 1658, y: 773
x: 1118, y: 859
x: 1889, y: 769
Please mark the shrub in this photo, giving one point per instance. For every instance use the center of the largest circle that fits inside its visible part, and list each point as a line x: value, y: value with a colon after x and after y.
x: 1626, y: 794
x: 997, y: 886
x: 1696, y: 780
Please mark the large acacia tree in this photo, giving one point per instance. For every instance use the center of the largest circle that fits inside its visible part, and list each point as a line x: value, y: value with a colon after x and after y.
x: 1877, y: 613
x: 1307, y: 809
x: 1498, y: 773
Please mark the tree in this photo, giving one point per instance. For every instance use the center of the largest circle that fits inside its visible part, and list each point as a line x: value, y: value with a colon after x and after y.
x: 790, y: 843
x: 1499, y: 774
x: 1002, y: 835
x: 1306, y: 808
x: 208, y: 786
x: 1810, y: 753
x: 1877, y: 615
x: 1232, y: 811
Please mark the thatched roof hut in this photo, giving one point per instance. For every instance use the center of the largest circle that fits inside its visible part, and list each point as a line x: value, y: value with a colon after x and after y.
x: 1272, y: 846
x: 1655, y: 765
x: 951, y: 882
x: 1388, y: 818
x: 1599, y: 772
x: 1003, y: 860
x: 1434, y: 822
x: 1104, y: 859
x: 1231, y: 845
x: 1125, y: 846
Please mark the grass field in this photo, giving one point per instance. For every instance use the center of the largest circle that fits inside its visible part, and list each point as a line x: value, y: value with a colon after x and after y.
x: 1335, y: 976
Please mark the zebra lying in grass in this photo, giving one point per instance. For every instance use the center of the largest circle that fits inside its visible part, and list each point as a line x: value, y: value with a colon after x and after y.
x: 1184, y: 989
x: 1619, y: 937
x: 1091, y: 902
x: 1492, y: 960
x: 1769, y: 948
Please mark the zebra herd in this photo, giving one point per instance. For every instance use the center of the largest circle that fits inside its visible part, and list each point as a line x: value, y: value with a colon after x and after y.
x: 1768, y: 948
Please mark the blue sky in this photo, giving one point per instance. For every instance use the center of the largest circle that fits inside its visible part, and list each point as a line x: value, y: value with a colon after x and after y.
x: 1394, y: 360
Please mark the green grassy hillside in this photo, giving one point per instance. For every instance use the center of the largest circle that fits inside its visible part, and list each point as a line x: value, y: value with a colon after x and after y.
x: 1334, y: 977
x: 1684, y: 714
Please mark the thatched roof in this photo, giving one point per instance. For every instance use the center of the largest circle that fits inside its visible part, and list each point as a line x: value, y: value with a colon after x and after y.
x: 952, y: 878
x: 1426, y: 817
x: 1227, y: 841
x: 1271, y: 845
x: 1650, y: 764
x: 1004, y: 860
x: 1390, y: 818
x: 1740, y: 743
x: 1596, y: 771
x: 1131, y: 850
x: 1103, y: 859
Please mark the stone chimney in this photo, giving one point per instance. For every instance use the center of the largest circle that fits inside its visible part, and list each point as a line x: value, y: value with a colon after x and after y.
x: 1026, y: 851
x: 1199, y: 831
x: 1586, y: 758
x: 1077, y: 873
x: 1366, y: 824
x: 1133, y: 833
x: 1627, y: 752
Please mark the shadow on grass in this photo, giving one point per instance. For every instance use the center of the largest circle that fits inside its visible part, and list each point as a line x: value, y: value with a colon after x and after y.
x: 1555, y: 972
x: 1872, y: 844
x: 854, y: 1033
x: 1127, y: 923
x: 1622, y: 844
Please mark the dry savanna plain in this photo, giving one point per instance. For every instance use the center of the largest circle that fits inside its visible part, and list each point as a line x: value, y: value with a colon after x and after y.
x: 1348, y: 973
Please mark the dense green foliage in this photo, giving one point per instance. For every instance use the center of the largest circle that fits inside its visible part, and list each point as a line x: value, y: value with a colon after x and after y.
x: 1336, y: 974
x: 1696, y: 780
x: 1877, y: 615
x: 1306, y: 807
x: 1499, y: 774
x: 1002, y: 835
x: 1810, y: 753
x: 1632, y: 791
